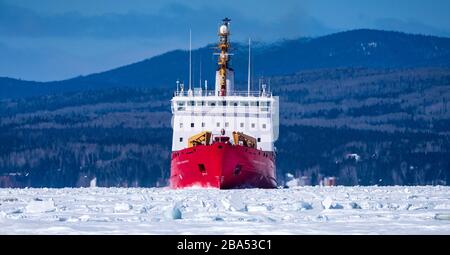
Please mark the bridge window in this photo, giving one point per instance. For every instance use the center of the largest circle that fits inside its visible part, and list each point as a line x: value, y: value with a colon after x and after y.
x: 233, y: 103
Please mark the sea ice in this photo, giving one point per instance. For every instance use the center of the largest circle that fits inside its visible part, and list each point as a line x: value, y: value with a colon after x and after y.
x: 39, y: 206
x: 367, y: 210
x: 122, y: 207
x: 328, y: 203
x: 173, y: 212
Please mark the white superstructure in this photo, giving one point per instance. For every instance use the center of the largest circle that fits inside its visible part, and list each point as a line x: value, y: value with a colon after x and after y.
x: 255, y: 115
x: 224, y: 109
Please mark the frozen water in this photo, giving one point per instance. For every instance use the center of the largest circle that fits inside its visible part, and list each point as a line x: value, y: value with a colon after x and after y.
x: 299, y: 210
x: 328, y: 203
x: 440, y: 216
x: 354, y: 205
x: 122, y: 207
x: 39, y: 206
x: 173, y: 212
x: 304, y: 206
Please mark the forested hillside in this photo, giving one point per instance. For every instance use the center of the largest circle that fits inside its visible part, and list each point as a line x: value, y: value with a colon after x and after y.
x: 365, y: 126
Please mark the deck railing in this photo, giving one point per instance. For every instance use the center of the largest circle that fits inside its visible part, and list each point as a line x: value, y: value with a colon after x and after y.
x: 203, y: 93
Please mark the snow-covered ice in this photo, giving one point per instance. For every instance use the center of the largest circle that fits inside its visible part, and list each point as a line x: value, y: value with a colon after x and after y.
x: 40, y: 206
x: 299, y: 210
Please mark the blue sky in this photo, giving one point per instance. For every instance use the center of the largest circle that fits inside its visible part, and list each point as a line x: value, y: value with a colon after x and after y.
x: 53, y: 39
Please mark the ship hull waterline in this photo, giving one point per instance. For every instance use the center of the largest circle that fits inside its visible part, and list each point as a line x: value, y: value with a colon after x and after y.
x: 222, y: 166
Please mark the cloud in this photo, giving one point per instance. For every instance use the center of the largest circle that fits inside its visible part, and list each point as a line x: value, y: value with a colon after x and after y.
x: 17, y: 21
x: 171, y: 21
x: 297, y: 22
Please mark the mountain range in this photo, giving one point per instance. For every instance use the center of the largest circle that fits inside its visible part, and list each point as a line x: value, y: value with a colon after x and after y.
x: 357, y: 48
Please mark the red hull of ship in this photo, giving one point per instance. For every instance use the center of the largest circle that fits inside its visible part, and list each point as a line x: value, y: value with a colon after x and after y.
x: 222, y: 166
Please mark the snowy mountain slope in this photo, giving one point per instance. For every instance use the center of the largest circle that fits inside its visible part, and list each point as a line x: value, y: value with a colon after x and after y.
x: 302, y: 210
x: 355, y: 48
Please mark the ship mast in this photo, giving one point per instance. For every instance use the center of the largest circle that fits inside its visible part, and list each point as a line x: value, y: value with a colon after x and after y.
x: 249, y: 63
x: 223, y: 46
x: 190, y: 59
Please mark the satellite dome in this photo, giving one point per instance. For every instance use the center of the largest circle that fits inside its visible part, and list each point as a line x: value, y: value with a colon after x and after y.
x: 223, y: 29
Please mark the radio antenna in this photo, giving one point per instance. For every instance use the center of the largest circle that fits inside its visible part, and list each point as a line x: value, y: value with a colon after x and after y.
x: 249, y: 63
x: 200, y: 80
x: 190, y: 59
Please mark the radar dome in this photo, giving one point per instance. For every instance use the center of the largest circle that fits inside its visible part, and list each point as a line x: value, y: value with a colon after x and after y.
x: 223, y: 29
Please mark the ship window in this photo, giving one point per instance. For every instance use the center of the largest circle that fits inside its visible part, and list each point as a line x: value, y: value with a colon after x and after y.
x: 200, y: 103
x: 243, y: 103
x: 203, y: 124
x: 212, y: 103
x: 265, y: 104
x: 259, y: 139
x: 181, y: 103
x: 242, y: 125
x: 223, y: 103
x: 264, y: 126
x: 227, y: 124
x: 233, y: 103
x: 181, y: 139
x: 191, y: 103
x: 218, y: 124
x: 253, y: 103
x: 181, y: 108
x: 181, y: 125
x: 253, y: 125
x: 192, y: 125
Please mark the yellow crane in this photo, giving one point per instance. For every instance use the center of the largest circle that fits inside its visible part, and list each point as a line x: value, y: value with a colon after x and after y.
x: 202, y: 138
x: 246, y: 140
